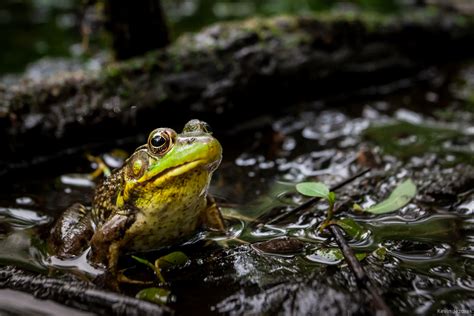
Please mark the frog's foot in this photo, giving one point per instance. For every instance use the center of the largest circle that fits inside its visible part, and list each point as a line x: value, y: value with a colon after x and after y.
x: 212, y: 217
x: 122, y: 278
x: 101, y: 169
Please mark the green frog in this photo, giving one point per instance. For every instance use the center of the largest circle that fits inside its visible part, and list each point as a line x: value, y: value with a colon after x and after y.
x: 157, y: 198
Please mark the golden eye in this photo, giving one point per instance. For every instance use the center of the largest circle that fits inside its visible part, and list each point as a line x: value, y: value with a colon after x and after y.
x: 161, y: 141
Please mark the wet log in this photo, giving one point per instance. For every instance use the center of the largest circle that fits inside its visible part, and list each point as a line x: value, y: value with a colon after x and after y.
x: 77, y: 294
x: 227, y: 71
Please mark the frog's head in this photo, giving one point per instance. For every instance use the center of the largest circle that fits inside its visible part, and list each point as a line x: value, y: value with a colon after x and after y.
x: 170, y: 161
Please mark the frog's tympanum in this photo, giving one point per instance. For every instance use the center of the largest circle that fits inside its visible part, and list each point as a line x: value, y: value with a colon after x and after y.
x: 158, y: 198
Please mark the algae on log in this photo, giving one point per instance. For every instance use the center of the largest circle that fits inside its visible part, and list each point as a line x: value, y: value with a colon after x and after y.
x: 229, y: 69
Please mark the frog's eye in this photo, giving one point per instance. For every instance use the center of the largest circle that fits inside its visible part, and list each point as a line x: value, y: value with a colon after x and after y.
x: 161, y: 141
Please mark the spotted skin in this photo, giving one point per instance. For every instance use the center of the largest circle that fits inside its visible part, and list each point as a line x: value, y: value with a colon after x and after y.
x: 158, y: 198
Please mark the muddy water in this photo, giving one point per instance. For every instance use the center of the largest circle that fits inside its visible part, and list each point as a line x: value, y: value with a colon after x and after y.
x: 420, y: 256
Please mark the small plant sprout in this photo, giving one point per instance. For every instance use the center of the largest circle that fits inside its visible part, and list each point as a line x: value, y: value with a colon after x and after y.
x: 400, y: 196
x: 176, y: 258
x: 151, y: 266
x: 318, y: 189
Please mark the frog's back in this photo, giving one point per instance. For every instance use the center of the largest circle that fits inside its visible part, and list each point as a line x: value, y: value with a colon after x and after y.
x: 105, y: 197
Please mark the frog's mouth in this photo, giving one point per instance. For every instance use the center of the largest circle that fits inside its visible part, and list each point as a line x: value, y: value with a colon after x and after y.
x: 175, y: 171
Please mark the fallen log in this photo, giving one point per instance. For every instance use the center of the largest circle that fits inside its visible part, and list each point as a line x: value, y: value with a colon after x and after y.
x: 77, y: 294
x: 227, y: 71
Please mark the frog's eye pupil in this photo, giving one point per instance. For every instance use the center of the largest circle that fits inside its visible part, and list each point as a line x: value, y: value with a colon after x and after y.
x: 161, y: 142
x: 158, y: 141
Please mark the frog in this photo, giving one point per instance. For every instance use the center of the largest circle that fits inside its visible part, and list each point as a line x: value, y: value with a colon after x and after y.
x: 158, y: 198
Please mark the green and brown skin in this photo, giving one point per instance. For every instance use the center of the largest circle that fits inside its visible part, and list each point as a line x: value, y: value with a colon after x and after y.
x: 157, y: 198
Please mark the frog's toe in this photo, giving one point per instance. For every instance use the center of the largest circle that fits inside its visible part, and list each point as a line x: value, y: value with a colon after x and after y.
x: 212, y: 217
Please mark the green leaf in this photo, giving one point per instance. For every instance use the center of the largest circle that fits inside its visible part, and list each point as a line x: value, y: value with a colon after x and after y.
x: 170, y: 260
x: 328, y: 255
x: 154, y: 294
x: 361, y: 256
x: 380, y: 253
x: 400, y: 197
x: 314, y: 189
x: 352, y: 228
x: 333, y: 256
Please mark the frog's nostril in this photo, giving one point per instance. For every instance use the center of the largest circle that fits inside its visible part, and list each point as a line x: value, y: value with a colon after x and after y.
x: 206, y: 127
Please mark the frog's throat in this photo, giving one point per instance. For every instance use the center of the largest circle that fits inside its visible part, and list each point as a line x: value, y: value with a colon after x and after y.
x: 161, y: 178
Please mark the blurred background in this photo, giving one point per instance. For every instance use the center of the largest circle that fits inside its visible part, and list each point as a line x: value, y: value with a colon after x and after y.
x: 32, y: 29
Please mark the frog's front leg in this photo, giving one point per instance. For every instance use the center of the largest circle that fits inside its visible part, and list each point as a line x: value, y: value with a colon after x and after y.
x: 212, y: 217
x: 72, y: 232
x: 108, y: 240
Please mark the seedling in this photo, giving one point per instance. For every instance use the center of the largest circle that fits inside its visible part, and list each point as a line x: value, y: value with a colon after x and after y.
x: 399, y: 197
x: 318, y: 189
x: 176, y: 258
x: 157, y: 294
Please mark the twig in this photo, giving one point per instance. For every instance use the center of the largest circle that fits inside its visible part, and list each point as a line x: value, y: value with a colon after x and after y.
x: 313, y: 200
x: 359, y: 272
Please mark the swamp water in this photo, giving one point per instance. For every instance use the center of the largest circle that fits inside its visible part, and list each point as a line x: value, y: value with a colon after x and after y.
x: 421, y: 256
